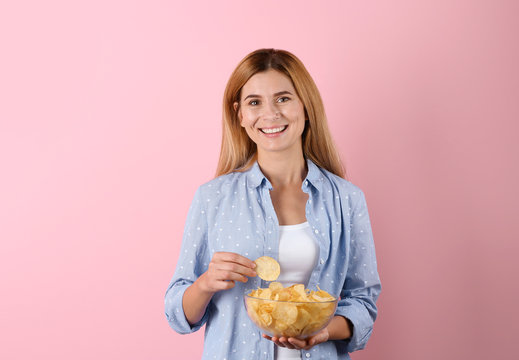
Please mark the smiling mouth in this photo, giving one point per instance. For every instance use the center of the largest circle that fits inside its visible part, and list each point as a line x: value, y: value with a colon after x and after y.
x: 274, y: 130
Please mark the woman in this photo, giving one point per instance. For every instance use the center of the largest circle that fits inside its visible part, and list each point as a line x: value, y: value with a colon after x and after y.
x: 279, y: 192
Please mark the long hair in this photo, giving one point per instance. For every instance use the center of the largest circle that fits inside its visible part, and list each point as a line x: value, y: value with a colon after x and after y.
x: 238, y: 151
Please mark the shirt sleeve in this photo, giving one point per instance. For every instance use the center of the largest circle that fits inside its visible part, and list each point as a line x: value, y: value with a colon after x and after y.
x: 362, y: 286
x: 193, y: 261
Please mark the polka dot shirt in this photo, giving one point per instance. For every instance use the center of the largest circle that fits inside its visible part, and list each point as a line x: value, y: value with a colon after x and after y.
x: 234, y: 213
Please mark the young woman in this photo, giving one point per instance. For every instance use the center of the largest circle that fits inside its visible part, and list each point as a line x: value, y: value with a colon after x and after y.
x: 280, y: 191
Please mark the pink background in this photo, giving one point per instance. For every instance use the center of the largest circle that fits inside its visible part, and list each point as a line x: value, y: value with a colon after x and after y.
x: 110, y: 118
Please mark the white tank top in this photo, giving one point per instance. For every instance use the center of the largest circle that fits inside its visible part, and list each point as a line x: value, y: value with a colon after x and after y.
x: 298, y: 254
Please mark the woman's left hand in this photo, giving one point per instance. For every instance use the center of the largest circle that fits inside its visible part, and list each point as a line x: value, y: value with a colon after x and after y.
x: 300, y: 344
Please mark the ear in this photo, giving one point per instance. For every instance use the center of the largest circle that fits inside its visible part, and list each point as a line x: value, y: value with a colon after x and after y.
x: 235, y: 106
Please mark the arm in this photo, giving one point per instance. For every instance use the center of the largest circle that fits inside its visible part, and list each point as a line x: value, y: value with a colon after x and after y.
x: 194, y: 303
x: 362, y: 286
x: 197, y: 277
x: 190, y: 266
x: 339, y: 328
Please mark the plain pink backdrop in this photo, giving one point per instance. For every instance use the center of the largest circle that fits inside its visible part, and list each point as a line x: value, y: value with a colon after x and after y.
x: 110, y: 119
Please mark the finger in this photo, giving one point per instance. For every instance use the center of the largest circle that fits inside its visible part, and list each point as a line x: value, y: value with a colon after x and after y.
x: 308, y: 346
x: 228, y: 284
x: 226, y: 271
x: 266, y: 336
x: 297, y: 343
x: 234, y: 267
x: 243, y: 270
x: 312, y: 341
x: 235, y: 258
x: 219, y: 285
x: 286, y: 343
x: 226, y: 275
x: 276, y: 341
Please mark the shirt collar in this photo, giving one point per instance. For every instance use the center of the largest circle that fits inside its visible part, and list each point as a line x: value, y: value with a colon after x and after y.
x: 255, y: 177
x: 315, y: 177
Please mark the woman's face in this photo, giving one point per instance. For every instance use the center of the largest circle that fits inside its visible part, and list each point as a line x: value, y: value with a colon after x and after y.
x: 271, y: 112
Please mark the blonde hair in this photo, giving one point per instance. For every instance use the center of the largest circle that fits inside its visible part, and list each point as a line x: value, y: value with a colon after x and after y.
x: 238, y: 152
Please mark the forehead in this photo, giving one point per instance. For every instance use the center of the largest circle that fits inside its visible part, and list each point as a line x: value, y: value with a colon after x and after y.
x: 268, y: 82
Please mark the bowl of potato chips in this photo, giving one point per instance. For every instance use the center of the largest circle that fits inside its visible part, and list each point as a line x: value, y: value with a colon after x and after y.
x: 290, y: 311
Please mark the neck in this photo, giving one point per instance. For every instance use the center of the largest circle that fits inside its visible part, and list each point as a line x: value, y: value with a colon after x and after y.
x: 283, y: 169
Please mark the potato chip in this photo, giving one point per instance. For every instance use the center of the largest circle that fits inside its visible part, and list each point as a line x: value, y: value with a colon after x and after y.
x: 303, y: 318
x: 266, y: 318
x: 275, y: 286
x: 281, y: 325
x: 286, y: 312
x: 265, y: 294
x: 292, y: 311
x: 299, y: 292
x: 267, y: 268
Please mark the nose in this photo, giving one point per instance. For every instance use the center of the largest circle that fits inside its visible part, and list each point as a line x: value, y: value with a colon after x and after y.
x: 270, y: 111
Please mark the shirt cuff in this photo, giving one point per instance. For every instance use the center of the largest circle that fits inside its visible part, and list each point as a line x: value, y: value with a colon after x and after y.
x: 362, y: 327
x: 175, y: 311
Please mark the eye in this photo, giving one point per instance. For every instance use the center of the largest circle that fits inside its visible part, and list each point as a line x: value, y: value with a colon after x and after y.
x: 253, y: 102
x: 283, y: 99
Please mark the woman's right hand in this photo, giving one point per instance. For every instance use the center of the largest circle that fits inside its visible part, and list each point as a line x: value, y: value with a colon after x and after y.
x: 224, y: 269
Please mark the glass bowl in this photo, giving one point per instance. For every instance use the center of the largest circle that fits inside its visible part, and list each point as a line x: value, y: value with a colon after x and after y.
x: 289, y: 318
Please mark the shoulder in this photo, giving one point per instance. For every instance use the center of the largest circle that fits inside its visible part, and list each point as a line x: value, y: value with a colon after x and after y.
x: 343, y: 192
x: 342, y: 186
x: 336, y: 188
x: 222, y: 185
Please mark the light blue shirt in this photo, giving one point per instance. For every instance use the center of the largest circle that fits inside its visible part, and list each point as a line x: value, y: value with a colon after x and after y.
x: 234, y: 213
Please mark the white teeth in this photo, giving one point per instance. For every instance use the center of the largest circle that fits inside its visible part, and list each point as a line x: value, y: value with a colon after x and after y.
x: 274, y: 130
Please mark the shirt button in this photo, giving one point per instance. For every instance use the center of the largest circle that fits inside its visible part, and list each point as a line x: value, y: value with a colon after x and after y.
x: 308, y: 355
x: 306, y: 182
x: 322, y: 261
x: 316, y: 231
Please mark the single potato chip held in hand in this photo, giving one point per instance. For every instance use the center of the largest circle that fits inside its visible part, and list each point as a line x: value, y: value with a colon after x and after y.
x: 267, y: 268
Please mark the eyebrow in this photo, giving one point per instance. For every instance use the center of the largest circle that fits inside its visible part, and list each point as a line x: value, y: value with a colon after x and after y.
x: 276, y: 94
